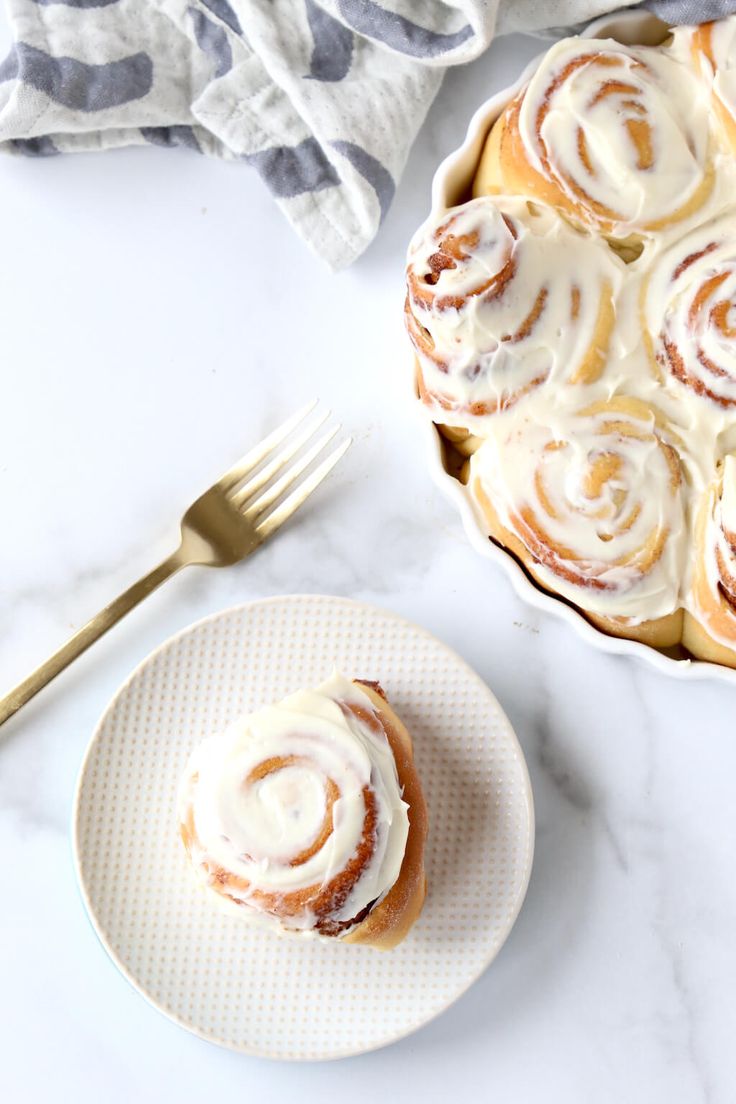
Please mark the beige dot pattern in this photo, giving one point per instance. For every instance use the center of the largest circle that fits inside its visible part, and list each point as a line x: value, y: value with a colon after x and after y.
x: 285, y: 996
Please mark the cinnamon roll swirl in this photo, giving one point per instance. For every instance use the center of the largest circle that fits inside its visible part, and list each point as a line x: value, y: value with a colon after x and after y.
x: 496, y: 306
x: 690, y: 312
x: 591, y: 503
x: 309, y: 816
x: 709, y: 630
x: 614, y: 136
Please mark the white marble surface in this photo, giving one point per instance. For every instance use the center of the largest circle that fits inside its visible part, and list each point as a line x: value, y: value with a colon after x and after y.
x: 159, y: 315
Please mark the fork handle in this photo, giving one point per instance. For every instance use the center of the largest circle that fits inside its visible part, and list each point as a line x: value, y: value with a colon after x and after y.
x: 93, y: 630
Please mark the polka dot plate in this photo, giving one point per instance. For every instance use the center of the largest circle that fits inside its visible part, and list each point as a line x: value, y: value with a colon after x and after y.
x: 233, y: 983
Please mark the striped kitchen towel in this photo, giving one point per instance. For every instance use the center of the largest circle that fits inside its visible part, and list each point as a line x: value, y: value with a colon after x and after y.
x: 322, y: 97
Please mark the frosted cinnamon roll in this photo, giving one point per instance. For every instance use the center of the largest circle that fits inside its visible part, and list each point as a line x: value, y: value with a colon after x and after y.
x: 713, y: 49
x: 614, y: 136
x: 591, y: 503
x: 690, y: 312
x: 502, y: 296
x: 308, y: 816
x: 709, y: 630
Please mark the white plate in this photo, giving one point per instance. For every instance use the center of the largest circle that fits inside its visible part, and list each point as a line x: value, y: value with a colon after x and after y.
x: 451, y: 185
x: 252, y: 990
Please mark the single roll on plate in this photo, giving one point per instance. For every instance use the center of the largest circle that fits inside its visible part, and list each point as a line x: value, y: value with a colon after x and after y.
x: 614, y: 136
x: 308, y: 816
x: 503, y: 297
x: 591, y: 503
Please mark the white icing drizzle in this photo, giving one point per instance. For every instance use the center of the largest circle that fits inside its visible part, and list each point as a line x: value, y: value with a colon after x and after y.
x: 254, y: 827
x: 497, y: 305
x: 594, y: 98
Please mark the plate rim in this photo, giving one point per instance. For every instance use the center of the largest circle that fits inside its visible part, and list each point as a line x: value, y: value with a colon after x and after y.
x: 456, y: 166
x: 251, y: 1051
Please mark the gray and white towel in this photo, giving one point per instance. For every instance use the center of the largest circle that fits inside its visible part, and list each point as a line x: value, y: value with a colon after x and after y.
x: 322, y: 97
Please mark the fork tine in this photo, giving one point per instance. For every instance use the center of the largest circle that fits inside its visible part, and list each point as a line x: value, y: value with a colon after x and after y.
x: 274, y: 466
x: 274, y: 493
x: 298, y: 496
x: 237, y: 473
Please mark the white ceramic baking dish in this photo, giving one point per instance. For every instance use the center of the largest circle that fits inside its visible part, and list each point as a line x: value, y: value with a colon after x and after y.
x: 452, y: 185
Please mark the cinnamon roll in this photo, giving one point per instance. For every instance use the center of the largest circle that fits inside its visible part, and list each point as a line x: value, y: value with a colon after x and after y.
x: 712, y: 47
x: 502, y: 297
x: 614, y: 136
x: 690, y: 312
x: 574, y: 332
x: 591, y: 503
x: 308, y: 816
x: 709, y: 630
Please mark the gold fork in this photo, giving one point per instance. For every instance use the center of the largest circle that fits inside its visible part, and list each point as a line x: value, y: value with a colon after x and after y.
x: 228, y: 522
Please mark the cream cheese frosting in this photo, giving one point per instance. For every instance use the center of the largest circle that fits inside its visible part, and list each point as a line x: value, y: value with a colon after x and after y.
x: 623, y: 131
x: 670, y: 353
x: 690, y: 315
x: 723, y: 44
x: 505, y: 296
x: 720, y: 532
x: 714, y: 45
x: 619, y: 127
x: 275, y: 806
x: 595, y: 496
